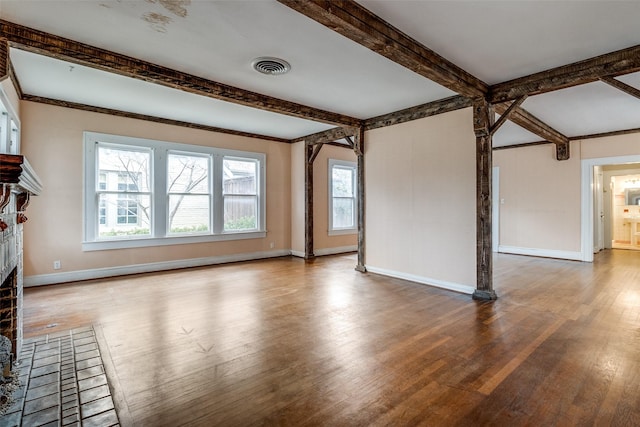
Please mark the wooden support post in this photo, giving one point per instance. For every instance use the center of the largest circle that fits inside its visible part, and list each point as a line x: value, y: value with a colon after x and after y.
x: 310, y: 155
x: 563, y: 150
x: 358, y: 147
x: 4, y: 58
x: 483, y: 116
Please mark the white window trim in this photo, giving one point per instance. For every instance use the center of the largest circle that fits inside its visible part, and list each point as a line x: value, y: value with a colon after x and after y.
x: 160, y: 235
x: 342, y: 231
x: 5, y: 135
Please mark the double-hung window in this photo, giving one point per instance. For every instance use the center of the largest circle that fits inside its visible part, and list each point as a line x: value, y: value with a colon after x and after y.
x: 141, y: 192
x: 239, y: 180
x: 189, y: 195
x: 342, y: 197
x: 123, y: 192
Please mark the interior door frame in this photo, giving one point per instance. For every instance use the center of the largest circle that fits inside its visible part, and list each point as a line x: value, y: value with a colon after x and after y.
x: 587, y: 199
x: 495, y: 202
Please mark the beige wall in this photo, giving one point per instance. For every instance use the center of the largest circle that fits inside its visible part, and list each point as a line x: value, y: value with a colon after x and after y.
x: 611, y: 146
x: 323, y: 243
x: 52, y: 140
x: 321, y: 239
x: 541, y: 196
x: 420, y: 200
x: 297, y: 197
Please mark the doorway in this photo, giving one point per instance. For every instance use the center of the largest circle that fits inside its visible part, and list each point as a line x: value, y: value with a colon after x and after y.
x: 592, y: 224
x: 622, y: 194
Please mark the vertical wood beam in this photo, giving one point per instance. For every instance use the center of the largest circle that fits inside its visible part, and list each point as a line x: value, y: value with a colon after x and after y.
x: 4, y: 59
x: 483, y: 116
x: 310, y: 154
x: 358, y: 147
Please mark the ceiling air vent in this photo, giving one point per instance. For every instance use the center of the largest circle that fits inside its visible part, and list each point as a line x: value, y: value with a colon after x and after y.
x: 271, y: 66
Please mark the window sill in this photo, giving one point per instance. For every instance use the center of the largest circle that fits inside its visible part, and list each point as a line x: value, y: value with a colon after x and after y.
x: 103, y: 245
x: 343, y: 232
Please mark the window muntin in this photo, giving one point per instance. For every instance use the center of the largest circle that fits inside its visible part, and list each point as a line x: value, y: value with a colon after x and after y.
x: 342, y: 197
x: 177, y: 197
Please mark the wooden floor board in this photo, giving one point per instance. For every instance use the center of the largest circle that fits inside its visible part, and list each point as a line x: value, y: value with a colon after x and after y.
x: 289, y: 342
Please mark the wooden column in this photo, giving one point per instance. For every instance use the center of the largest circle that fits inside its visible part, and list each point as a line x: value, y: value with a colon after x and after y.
x: 4, y: 58
x: 483, y: 116
x: 358, y: 147
x: 309, y: 157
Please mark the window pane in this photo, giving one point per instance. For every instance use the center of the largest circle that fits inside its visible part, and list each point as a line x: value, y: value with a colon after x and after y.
x: 239, y: 176
x: 342, y: 181
x: 188, y: 214
x: 124, y: 170
x: 343, y: 213
x: 188, y: 174
x: 123, y: 215
x: 240, y: 213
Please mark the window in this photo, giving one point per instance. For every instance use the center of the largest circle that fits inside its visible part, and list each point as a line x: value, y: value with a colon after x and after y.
x: 240, y: 194
x: 141, y: 192
x: 189, y: 195
x: 342, y: 197
x: 9, y: 127
x: 123, y: 191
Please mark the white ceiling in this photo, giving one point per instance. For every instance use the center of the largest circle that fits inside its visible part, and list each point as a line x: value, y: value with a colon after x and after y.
x: 494, y: 40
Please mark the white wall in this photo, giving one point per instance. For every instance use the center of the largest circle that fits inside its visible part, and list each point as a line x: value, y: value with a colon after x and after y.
x: 421, y: 200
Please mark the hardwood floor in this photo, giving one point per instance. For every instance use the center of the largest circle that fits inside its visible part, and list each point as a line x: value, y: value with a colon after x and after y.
x: 284, y: 342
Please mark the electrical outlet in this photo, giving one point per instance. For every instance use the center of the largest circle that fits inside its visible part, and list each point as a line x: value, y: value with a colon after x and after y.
x: 56, y: 265
x: 272, y: 245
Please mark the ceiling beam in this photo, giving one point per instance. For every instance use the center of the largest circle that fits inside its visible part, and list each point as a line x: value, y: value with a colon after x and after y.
x: 79, y: 53
x: 362, y: 26
x: 628, y: 89
x: 590, y: 70
x: 328, y: 136
x: 418, y: 112
x: 528, y: 121
x: 155, y: 119
x: 507, y: 113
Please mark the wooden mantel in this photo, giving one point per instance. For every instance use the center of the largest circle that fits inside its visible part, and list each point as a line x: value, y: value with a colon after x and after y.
x: 16, y: 170
x: 18, y: 177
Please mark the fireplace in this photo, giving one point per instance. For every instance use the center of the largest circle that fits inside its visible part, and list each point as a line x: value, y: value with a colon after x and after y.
x: 17, y: 183
x: 9, y: 310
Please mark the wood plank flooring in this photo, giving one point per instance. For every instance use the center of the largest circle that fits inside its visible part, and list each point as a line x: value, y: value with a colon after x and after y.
x: 284, y: 342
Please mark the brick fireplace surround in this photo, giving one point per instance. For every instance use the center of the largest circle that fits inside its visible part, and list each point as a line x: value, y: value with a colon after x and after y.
x: 18, y: 183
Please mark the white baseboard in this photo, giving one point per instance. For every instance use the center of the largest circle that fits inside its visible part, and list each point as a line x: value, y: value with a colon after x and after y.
x: 334, y: 251
x: 545, y: 253
x: 298, y: 254
x: 457, y: 287
x: 99, y: 273
x: 328, y: 251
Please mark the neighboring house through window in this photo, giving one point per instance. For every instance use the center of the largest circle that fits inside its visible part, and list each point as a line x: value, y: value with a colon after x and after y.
x: 342, y: 197
x: 142, y: 192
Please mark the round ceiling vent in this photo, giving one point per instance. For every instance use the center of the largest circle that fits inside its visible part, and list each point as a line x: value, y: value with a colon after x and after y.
x: 271, y: 66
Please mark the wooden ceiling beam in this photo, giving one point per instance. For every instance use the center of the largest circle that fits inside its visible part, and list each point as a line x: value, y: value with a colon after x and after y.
x: 440, y: 106
x: 612, y: 64
x: 329, y: 136
x: 137, y: 116
x: 507, y: 113
x: 528, y: 121
x: 356, y: 23
x: 79, y: 53
x: 628, y: 89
